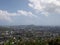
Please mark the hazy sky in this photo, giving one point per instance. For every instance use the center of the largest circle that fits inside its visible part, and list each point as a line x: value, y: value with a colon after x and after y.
x: 26, y: 12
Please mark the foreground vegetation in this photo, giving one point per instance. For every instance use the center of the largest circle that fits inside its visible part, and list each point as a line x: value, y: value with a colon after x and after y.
x: 37, y: 41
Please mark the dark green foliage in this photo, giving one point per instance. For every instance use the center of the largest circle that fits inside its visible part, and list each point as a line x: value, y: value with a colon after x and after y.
x: 55, y: 41
x: 21, y: 41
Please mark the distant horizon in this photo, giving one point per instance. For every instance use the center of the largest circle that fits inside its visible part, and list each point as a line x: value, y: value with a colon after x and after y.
x: 30, y: 25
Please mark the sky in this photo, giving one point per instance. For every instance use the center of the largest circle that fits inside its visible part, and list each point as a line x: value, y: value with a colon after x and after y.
x: 27, y: 12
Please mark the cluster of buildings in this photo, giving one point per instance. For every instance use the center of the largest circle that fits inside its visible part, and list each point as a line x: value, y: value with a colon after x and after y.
x: 27, y: 33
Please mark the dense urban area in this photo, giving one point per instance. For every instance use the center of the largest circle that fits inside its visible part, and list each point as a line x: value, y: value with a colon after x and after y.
x: 29, y: 35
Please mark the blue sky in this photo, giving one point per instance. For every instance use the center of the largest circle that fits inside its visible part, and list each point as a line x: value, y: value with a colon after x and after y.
x: 26, y: 12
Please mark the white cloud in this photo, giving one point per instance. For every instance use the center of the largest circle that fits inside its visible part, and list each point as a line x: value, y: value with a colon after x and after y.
x: 47, y: 6
x: 5, y: 15
x: 25, y: 13
x: 45, y: 13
